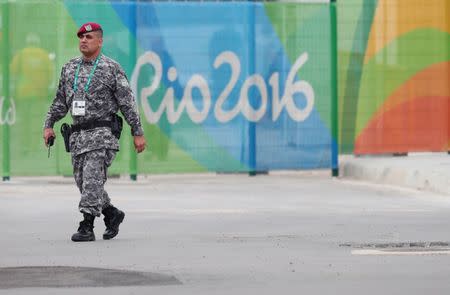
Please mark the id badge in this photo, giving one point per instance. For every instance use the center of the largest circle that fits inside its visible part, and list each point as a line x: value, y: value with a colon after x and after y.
x: 78, y: 108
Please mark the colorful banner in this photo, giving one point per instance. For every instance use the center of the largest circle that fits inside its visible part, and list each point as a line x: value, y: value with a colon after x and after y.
x: 232, y: 87
x: 395, y: 76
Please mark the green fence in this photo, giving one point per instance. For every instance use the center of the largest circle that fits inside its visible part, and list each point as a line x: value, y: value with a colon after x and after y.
x: 393, y: 63
x: 282, y: 50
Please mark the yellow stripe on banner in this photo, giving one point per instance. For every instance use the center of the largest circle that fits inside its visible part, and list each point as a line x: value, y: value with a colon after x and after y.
x: 394, y: 18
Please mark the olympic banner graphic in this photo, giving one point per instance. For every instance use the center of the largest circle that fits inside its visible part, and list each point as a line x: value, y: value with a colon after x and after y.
x: 221, y: 86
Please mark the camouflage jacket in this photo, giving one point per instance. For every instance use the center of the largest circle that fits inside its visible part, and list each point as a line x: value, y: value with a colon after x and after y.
x: 108, y: 92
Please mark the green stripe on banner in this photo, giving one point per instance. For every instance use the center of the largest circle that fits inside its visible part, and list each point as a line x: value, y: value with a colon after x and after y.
x: 350, y: 88
x: 413, y: 52
x: 304, y: 28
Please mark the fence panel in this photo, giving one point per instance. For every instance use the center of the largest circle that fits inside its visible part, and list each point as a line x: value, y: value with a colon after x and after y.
x: 221, y: 86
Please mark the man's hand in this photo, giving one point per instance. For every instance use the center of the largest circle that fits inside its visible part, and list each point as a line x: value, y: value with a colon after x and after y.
x: 48, y: 132
x: 139, y: 143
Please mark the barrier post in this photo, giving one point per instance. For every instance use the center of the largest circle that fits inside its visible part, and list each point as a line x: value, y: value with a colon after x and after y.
x: 334, y: 92
x: 132, y: 60
x: 251, y: 71
x: 6, y: 92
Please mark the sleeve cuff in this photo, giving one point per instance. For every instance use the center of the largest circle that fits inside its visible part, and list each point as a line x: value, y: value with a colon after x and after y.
x: 137, y: 131
x: 48, y: 125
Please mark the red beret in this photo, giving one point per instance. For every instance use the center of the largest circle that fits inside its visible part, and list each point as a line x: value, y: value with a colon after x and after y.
x: 88, y: 27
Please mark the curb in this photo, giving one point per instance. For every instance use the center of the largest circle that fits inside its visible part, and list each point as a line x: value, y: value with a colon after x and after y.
x: 422, y: 172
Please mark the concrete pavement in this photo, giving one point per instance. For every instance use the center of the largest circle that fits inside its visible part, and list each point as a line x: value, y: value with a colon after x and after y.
x: 286, y: 233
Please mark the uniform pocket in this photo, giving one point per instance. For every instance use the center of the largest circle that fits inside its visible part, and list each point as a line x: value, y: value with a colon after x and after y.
x: 109, y: 157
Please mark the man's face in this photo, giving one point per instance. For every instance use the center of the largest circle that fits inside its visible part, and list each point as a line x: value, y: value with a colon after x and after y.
x: 90, y: 43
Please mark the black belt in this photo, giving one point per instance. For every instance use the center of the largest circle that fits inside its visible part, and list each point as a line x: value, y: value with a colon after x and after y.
x: 90, y: 125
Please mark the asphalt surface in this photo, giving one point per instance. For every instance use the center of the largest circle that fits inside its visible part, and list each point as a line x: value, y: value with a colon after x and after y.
x: 283, y: 233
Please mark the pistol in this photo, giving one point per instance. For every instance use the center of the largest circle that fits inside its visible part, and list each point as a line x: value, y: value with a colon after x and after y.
x: 50, y: 142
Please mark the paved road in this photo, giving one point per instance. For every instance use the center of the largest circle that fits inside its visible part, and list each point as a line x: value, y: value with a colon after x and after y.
x: 288, y: 233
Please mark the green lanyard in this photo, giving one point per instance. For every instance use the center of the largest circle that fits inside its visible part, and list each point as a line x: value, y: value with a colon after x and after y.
x: 75, y: 81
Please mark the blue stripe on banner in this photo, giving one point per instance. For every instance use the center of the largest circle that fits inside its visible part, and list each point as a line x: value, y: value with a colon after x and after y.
x: 205, y: 45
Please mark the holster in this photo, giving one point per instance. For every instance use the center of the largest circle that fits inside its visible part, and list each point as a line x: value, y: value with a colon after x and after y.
x: 116, y: 125
x: 66, y: 131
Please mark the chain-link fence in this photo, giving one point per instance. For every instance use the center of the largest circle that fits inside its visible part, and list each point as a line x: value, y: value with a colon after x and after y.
x: 236, y: 86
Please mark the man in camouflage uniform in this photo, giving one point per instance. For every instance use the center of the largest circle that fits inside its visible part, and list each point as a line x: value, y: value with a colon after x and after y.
x: 93, y: 88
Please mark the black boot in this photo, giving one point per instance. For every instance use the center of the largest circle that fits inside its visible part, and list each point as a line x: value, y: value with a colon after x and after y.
x: 113, y: 218
x: 85, y: 230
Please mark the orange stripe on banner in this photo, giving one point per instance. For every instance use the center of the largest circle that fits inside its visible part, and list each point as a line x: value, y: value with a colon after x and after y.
x: 394, y: 18
x: 414, y: 118
x: 430, y: 82
x: 416, y: 125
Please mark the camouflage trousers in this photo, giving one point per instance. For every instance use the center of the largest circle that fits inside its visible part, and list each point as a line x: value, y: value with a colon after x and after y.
x: 90, y: 173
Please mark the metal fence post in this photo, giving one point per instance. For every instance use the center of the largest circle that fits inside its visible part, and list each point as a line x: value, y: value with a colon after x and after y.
x: 251, y: 71
x: 334, y: 92
x: 6, y: 92
x: 132, y: 60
